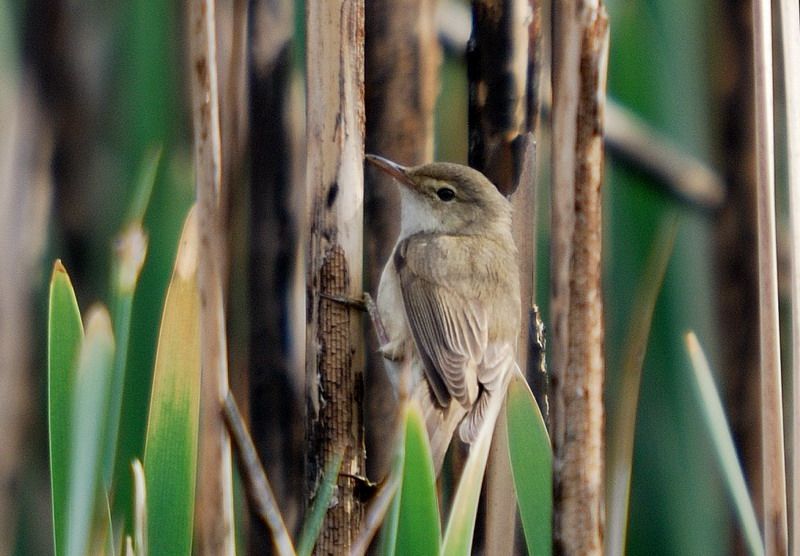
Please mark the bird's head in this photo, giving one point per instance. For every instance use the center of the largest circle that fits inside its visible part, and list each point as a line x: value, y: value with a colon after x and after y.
x: 447, y: 198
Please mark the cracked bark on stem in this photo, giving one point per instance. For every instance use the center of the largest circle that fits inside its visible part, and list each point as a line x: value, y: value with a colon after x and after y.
x: 214, y: 503
x: 790, y: 33
x: 334, y: 337
x: 580, y: 55
x: 774, y: 478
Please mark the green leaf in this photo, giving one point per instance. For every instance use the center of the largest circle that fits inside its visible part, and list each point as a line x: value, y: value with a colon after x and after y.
x: 718, y: 430
x: 171, y: 199
x: 131, y: 249
x: 623, y: 419
x: 418, y: 529
x: 65, y: 334
x: 461, y: 523
x: 319, y: 507
x: 531, y: 465
x: 87, y: 425
x: 129, y: 256
x: 170, y: 459
x: 144, y: 185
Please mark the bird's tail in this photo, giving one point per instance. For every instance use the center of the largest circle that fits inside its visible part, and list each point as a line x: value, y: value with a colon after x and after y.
x: 440, y: 422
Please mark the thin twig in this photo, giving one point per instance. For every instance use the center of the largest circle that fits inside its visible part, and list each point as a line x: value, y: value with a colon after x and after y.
x: 685, y: 176
x: 775, y: 521
x: 259, y: 490
x: 375, y: 515
x: 790, y: 33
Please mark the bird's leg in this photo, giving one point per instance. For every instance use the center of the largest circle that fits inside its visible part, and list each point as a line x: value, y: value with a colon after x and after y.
x: 386, y: 348
x: 365, y: 304
x: 375, y: 317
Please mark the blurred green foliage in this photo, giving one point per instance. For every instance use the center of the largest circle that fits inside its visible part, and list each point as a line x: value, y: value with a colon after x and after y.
x: 152, y: 110
x: 659, y: 67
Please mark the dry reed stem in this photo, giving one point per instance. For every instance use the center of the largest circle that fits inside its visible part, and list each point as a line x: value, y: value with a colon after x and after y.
x: 775, y: 521
x: 214, y: 504
x: 790, y: 33
x: 684, y: 175
x: 334, y: 181
x: 580, y: 54
x: 258, y: 487
x: 503, y: 101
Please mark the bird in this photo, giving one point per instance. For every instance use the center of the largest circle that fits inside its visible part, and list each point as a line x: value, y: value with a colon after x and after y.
x: 449, y: 297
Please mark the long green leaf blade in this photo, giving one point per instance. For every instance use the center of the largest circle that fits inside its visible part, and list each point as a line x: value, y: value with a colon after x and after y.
x: 461, y: 523
x: 531, y: 465
x: 316, y: 515
x: 129, y: 256
x: 131, y: 251
x: 722, y: 440
x: 623, y: 419
x: 65, y: 334
x: 418, y: 529
x: 145, y: 182
x: 170, y: 459
x: 87, y: 425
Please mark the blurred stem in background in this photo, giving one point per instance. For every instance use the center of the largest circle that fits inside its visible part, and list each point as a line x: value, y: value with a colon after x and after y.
x: 25, y: 156
x: 276, y: 198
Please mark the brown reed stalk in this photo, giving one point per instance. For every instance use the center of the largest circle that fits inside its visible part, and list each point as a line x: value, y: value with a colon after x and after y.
x: 773, y: 469
x: 214, y: 505
x: 580, y: 55
x: 503, y: 66
x: 790, y: 42
x: 334, y: 181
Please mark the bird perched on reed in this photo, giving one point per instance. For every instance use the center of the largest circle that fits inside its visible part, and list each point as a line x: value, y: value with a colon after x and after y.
x: 449, y: 297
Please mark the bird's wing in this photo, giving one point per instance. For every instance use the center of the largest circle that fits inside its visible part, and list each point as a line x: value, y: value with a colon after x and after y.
x: 449, y: 329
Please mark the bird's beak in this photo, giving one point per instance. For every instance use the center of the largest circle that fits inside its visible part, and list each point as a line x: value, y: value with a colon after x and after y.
x: 397, y: 171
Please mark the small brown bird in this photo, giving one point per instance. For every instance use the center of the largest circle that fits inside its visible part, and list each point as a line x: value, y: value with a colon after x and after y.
x: 449, y: 296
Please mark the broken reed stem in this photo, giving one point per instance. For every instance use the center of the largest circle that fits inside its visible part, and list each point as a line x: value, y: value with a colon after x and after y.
x: 683, y: 175
x: 503, y: 68
x: 580, y: 55
x: 334, y: 335
x: 214, y: 507
x: 258, y: 487
x: 790, y: 33
x: 775, y: 521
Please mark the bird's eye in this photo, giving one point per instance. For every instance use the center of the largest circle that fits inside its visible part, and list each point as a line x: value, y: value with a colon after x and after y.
x: 446, y: 194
